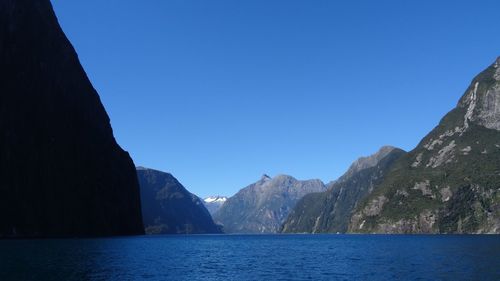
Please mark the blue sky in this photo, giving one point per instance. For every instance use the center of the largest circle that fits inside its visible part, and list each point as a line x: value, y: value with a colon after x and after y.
x: 220, y: 92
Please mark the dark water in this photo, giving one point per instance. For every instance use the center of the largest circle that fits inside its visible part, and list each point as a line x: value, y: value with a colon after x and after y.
x: 289, y: 257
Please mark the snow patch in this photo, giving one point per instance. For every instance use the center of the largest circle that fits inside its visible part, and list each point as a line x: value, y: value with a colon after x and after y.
x: 213, y: 199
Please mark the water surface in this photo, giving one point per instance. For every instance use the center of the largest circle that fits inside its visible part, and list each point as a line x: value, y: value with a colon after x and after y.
x: 252, y: 257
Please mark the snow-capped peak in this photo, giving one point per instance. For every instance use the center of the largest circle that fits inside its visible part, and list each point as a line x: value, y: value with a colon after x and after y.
x: 215, y: 199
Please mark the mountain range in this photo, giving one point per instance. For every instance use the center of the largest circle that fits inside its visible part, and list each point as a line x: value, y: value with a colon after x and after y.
x: 263, y: 206
x: 448, y: 184
x: 63, y: 174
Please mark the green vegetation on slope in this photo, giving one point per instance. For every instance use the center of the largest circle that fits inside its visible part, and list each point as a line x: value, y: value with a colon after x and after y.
x: 450, y: 182
x: 330, y: 211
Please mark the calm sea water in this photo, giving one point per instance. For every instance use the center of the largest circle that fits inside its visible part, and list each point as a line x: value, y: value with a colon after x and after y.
x: 246, y: 257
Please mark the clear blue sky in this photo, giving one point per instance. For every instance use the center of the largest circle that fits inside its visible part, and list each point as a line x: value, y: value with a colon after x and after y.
x: 220, y: 92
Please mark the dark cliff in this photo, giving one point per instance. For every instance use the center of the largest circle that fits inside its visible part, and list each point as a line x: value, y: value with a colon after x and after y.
x: 61, y: 171
x: 168, y: 208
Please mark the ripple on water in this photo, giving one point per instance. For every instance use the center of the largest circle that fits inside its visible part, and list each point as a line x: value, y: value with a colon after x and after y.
x: 247, y: 257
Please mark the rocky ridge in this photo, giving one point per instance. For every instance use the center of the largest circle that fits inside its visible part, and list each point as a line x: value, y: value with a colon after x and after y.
x: 450, y: 182
x: 263, y: 206
x: 330, y: 211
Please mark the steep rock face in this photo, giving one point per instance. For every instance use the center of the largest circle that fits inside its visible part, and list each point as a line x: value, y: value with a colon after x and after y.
x: 214, y: 203
x: 330, y: 211
x: 366, y: 162
x: 482, y: 101
x: 168, y: 208
x: 450, y: 182
x: 263, y: 206
x: 62, y: 172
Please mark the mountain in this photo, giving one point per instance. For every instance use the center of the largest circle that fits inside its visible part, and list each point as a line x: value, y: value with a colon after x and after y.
x: 62, y: 172
x: 366, y: 162
x: 330, y: 211
x: 213, y: 203
x: 168, y: 208
x: 263, y: 206
x: 450, y: 182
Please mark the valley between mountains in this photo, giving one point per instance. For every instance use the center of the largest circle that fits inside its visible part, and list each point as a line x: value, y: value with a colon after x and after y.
x: 63, y: 174
x: 449, y: 183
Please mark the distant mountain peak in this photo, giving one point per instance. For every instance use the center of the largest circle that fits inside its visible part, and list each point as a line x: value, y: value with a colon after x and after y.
x: 214, y: 199
x: 265, y: 177
x: 263, y: 206
x: 213, y: 203
x: 367, y: 161
x: 386, y: 149
x: 283, y: 176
